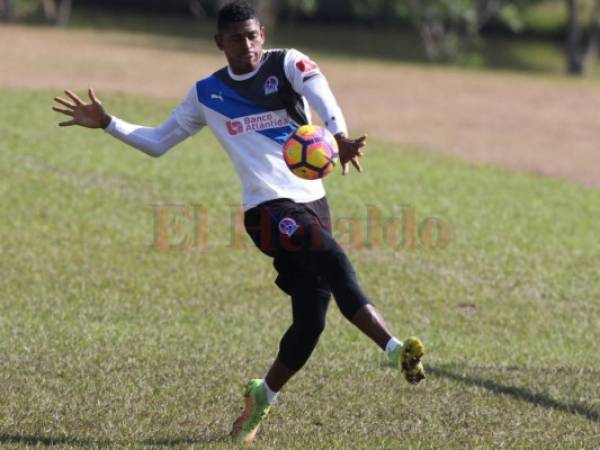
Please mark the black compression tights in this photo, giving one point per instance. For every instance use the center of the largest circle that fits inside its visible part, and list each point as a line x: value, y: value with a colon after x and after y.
x: 329, y: 271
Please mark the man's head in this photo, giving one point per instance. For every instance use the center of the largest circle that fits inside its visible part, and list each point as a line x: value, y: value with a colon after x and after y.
x: 240, y: 35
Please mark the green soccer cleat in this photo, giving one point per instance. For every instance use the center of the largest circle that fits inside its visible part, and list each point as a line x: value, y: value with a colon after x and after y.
x: 256, y: 409
x: 408, y: 357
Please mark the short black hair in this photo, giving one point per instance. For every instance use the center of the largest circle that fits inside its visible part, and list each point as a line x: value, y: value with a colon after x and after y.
x: 234, y: 12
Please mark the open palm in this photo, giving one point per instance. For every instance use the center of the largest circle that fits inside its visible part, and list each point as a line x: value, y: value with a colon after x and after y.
x: 350, y: 151
x: 89, y: 115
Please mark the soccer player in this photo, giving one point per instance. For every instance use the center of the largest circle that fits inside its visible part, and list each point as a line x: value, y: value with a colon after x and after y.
x: 252, y: 105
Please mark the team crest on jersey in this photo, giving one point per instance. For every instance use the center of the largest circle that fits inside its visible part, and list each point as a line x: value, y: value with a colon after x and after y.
x: 271, y: 85
x: 288, y: 226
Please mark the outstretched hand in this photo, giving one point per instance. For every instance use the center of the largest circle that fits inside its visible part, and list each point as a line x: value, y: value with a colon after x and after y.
x: 350, y: 150
x: 89, y: 115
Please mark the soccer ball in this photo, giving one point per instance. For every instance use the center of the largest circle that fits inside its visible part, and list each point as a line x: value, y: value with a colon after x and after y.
x: 311, y: 152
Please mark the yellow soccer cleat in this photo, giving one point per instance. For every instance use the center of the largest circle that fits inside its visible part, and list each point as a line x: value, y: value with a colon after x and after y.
x: 256, y: 409
x: 408, y: 357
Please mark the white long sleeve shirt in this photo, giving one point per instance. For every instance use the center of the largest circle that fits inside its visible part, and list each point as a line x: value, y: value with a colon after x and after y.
x: 251, y: 115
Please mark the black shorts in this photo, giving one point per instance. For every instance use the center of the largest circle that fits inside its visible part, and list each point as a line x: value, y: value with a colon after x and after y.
x: 282, y: 227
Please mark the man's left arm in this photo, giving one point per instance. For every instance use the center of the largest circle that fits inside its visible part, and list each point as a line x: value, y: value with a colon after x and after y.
x: 307, y: 80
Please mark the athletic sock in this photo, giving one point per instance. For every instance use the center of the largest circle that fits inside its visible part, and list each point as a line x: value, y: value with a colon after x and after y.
x: 392, y: 344
x: 271, y: 394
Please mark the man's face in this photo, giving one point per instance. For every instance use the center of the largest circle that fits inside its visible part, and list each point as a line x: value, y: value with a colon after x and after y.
x: 242, y: 43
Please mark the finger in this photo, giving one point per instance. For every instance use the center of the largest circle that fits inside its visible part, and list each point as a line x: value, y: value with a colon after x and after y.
x: 64, y: 102
x: 92, y: 95
x: 68, y: 112
x: 67, y: 123
x: 74, y: 97
x: 345, y: 168
x: 355, y: 153
x: 356, y: 164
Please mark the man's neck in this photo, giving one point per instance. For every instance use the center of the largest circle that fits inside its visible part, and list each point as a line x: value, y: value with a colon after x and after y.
x: 240, y: 75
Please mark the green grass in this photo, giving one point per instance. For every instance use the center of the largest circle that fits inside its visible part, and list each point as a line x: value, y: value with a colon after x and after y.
x: 546, y: 17
x: 550, y: 16
x: 107, y: 342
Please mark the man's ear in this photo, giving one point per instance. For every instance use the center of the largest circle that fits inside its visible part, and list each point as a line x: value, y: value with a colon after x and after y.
x: 263, y: 33
x: 219, y: 41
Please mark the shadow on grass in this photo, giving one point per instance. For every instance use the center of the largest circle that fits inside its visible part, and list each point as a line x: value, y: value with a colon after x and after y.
x: 6, y: 438
x: 518, y: 393
x: 176, y: 442
x: 50, y: 441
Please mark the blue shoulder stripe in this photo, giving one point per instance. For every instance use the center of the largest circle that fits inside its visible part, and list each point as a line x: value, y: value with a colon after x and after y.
x: 216, y: 95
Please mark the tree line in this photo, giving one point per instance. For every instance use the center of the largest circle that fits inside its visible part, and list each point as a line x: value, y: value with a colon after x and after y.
x: 447, y: 28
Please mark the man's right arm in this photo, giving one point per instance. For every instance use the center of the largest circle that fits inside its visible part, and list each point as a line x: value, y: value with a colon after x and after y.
x: 185, y: 121
x: 152, y: 141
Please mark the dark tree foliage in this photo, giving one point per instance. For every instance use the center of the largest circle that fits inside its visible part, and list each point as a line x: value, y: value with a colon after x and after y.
x: 583, y: 37
x: 448, y: 28
x: 7, y: 10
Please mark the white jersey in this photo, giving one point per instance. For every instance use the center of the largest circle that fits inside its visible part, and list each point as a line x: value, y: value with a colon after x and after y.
x: 252, y: 115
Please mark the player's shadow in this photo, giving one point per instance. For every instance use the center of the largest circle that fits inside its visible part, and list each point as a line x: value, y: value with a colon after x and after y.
x: 51, y: 441
x: 183, y: 441
x: 518, y: 393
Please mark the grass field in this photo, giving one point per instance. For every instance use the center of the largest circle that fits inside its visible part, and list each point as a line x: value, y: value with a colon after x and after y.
x: 107, y: 342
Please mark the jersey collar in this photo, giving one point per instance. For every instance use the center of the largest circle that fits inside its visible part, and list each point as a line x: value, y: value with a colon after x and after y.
x: 247, y: 76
